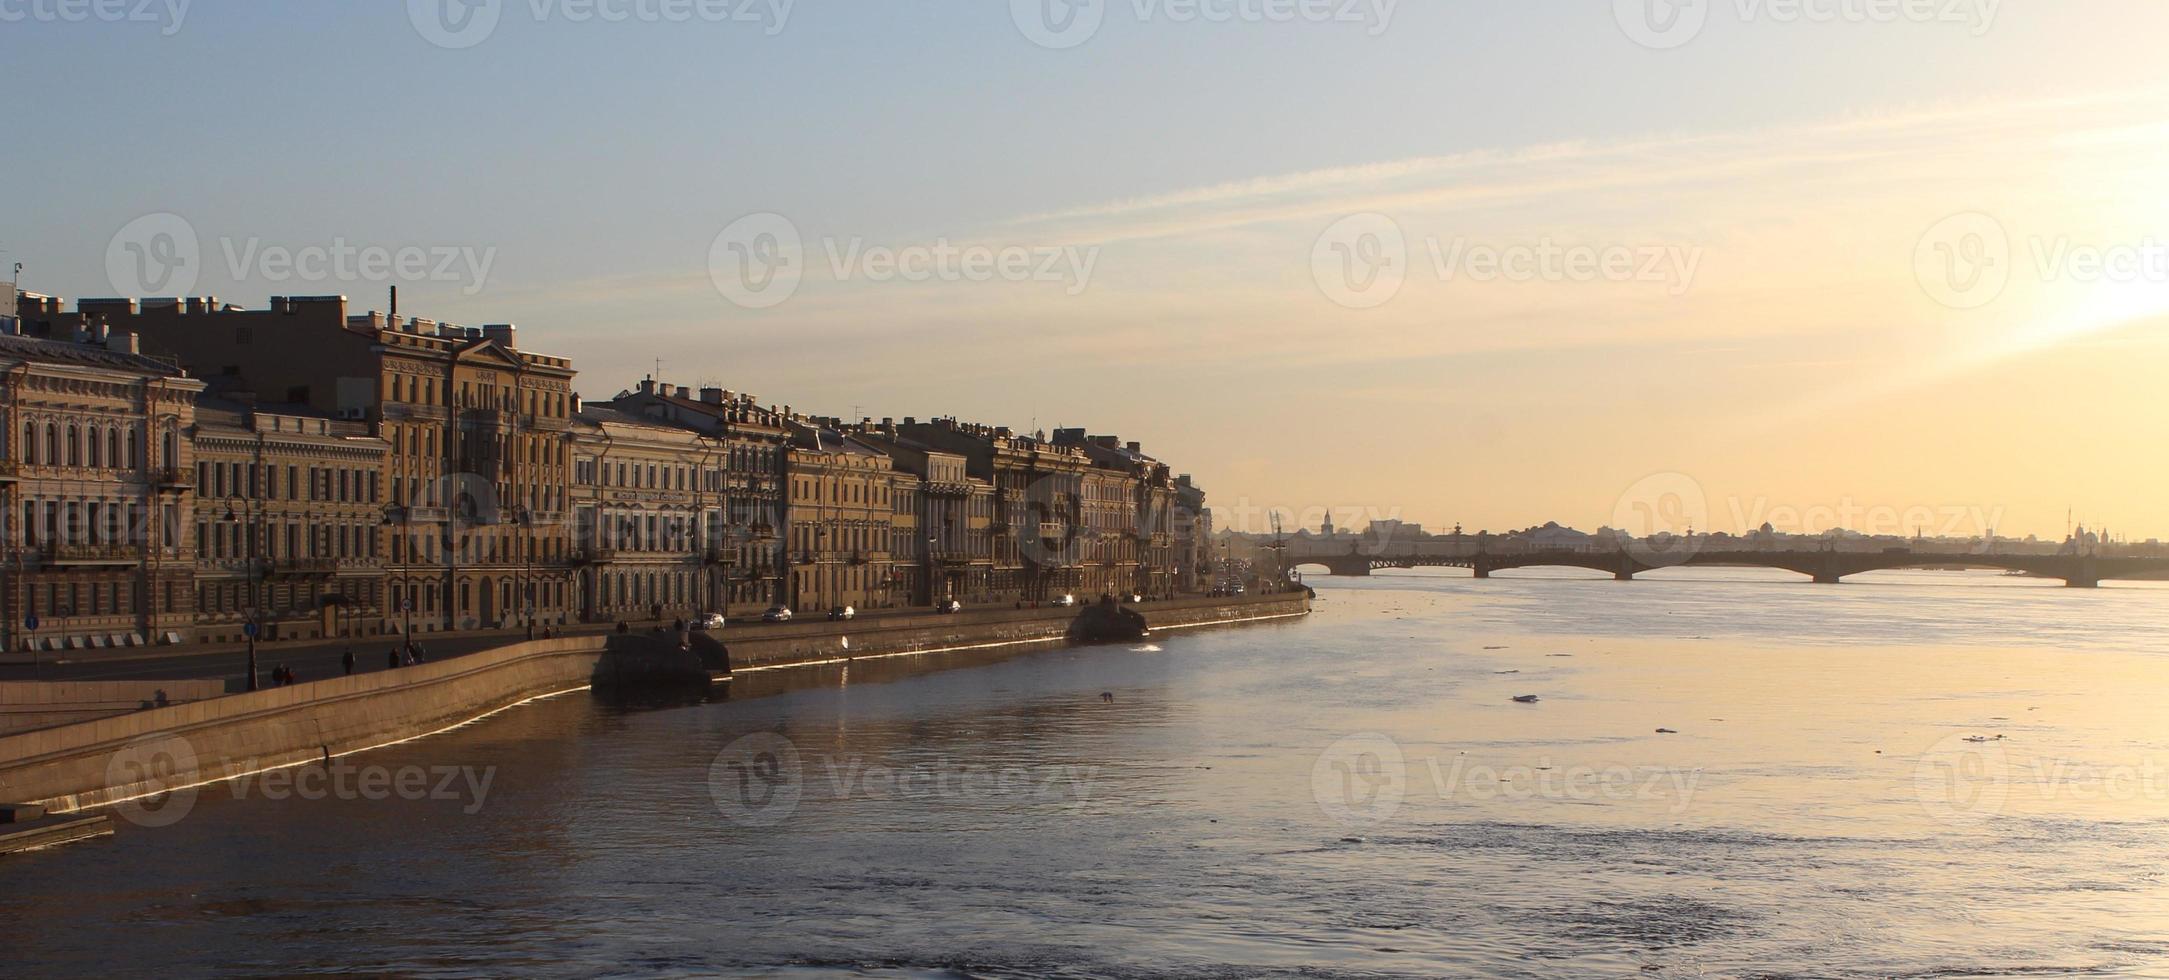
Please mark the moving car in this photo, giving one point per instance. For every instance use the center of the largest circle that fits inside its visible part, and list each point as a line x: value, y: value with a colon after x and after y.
x: 711, y: 621
x: 950, y: 606
x: 777, y: 614
x: 1064, y: 600
x: 841, y: 613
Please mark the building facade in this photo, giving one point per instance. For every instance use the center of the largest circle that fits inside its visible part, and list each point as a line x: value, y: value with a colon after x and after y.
x: 96, y: 494
x: 642, y: 498
x: 743, y: 477
x: 288, y: 524
x: 842, y: 525
x: 179, y: 470
x: 478, y: 477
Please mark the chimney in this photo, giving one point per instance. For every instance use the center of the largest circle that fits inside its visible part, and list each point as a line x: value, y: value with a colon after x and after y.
x: 504, y: 334
x: 1136, y: 447
x: 685, y: 392
x: 711, y: 396
x: 125, y: 343
x: 647, y: 386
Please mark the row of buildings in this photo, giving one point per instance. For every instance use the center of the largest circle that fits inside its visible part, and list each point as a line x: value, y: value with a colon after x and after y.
x: 174, y: 471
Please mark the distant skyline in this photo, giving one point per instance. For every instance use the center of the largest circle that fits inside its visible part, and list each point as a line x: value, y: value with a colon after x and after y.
x: 1754, y: 267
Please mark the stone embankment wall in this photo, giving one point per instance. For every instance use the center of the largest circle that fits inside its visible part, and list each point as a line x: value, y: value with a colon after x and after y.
x: 27, y: 705
x: 89, y: 764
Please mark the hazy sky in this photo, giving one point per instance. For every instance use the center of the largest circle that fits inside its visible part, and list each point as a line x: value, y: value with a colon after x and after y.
x: 1894, y: 264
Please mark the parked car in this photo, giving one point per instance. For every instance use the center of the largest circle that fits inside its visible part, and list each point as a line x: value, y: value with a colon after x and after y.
x: 949, y: 607
x: 1136, y: 598
x: 1064, y: 600
x: 841, y: 613
x: 777, y: 614
x: 712, y: 621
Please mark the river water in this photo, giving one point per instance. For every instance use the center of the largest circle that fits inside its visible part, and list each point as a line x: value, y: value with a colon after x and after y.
x: 1351, y: 795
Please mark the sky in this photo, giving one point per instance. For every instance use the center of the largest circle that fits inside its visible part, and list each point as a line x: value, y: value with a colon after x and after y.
x: 1893, y: 264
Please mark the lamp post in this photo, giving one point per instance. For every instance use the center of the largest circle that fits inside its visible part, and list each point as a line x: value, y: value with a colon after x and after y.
x: 404, y: 555
x: 251, y: 627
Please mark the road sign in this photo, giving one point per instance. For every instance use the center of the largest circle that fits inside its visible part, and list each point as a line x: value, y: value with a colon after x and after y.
x: 30, y: 623
x: 248, y: 630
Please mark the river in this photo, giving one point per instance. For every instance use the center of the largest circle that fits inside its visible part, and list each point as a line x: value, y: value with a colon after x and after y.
x: 1915, y: 774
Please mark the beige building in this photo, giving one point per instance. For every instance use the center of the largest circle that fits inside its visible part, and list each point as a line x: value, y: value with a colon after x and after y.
x: 1037, y: 505
x: 641, y: 499
x: 942, y: 520
x: 841, y: 521
x: 743, y: 501
x: 289, y: 515
x: 96, y: 495
x: 478, y: 477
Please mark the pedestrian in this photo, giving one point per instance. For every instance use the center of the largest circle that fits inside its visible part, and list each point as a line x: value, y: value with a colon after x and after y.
x: 346, y: 662
x: 624, y: 627
x: 392, y: 661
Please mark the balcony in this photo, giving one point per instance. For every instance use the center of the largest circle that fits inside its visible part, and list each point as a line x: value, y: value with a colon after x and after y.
x: 719, y: 558
x: 10, y: 471
x: 293, y: 567
x: 174, y: 479
x: 85, y: 555
x: 594, y: 556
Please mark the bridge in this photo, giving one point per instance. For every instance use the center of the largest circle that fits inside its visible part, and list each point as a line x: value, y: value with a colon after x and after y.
x: 1826, y: 567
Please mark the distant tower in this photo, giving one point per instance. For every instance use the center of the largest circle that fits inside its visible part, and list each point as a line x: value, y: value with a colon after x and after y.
x: 1327, y: 530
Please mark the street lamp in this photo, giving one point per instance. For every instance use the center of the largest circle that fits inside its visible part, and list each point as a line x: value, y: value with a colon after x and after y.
x: 250, y: 628
x: 404, y: 555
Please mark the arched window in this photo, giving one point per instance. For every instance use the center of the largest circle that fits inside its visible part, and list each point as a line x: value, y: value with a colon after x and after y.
x: 95, y: 454
x: 75, y: 445
x: 135, y: 451
x: 30, y: 442
x: 112, y: 448
x: 169, y: 450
